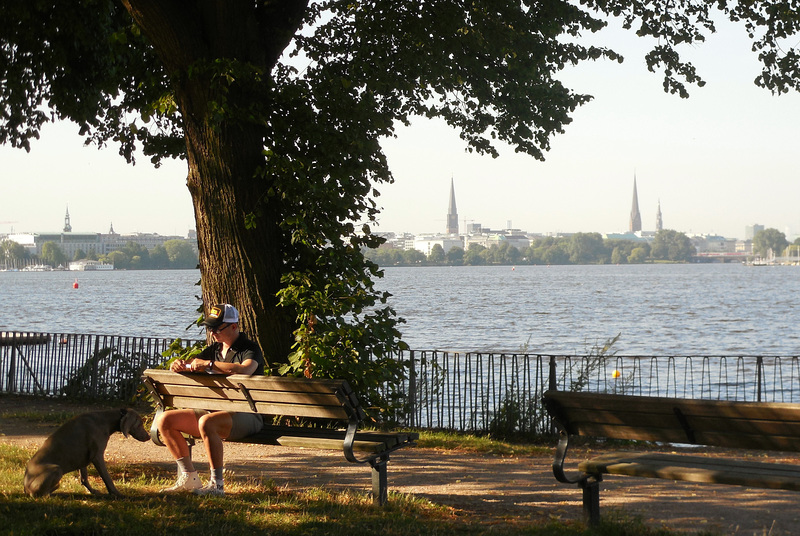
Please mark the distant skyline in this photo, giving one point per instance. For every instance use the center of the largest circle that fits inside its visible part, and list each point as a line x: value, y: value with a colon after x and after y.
x: 719, y: 161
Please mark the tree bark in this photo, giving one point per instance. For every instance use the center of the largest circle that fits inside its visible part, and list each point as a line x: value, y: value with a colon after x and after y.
x: 238, y: 265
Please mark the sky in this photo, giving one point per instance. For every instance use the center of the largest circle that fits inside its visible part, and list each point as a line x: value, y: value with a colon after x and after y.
x: 721, y: 160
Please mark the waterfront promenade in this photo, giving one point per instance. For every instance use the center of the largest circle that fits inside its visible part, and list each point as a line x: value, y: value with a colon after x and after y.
x: 487, y: 489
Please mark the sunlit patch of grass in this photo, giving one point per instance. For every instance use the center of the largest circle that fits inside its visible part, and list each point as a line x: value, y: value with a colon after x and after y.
x: 479, y: 444
x: 47, y: 417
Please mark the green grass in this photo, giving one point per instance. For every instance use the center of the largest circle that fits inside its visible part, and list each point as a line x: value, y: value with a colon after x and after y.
x: 255, y: 506
x: 252, y: 506
x: 481, y: 444
x: 54, y: 417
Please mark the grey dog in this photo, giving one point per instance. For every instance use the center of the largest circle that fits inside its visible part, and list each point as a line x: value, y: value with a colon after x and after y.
x: 77, y: 443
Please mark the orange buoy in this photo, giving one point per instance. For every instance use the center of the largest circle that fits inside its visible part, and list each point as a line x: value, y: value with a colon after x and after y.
x: 75, y: 284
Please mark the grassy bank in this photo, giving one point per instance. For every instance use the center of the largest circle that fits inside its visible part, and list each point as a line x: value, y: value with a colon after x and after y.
x: 254, y: 506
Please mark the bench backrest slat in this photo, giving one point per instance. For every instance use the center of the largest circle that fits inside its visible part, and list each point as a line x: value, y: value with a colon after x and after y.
x: 298, y: 397
x: 233, y: 393
x: 319, y: 385
x: 754, y: 425
x: 319, y: 412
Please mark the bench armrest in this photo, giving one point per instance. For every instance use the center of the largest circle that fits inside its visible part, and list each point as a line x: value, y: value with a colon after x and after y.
x: 563, y: 446
x: 155, y: 437
x: 349, y: 439
x: 558, y: 464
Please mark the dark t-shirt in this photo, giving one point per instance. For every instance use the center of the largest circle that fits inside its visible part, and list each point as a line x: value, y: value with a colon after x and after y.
x: 240, y: 351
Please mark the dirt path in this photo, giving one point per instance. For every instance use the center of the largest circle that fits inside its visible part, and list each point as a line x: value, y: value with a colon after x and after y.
x: 486, y: 487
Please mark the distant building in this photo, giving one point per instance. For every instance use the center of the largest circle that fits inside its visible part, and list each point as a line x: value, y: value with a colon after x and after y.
x: 713, y: 244
x: 659, y: 222
x: 638, y: 236
x: 113, y: 241
x: 97, y: 243
x: 474, y: 228
x: 751, y: 231
x: 68, y: 242
x: 487, y: 237
x: 452, y: 212
x: 636, y: 217
x: 402, y: 241
x: 67, y: 225
x: 744, y: 246
x: 517, y: 240
x: 425, y: 243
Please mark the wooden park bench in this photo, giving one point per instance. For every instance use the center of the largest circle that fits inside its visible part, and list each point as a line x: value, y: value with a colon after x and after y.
x: 674, y: 421
x: 330, y: 404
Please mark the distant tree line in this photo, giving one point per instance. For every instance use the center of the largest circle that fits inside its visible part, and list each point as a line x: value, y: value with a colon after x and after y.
x: 172, y: 254
x: 580, y: 248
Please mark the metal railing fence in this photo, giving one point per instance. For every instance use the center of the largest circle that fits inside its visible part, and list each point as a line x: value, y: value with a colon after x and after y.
x: 481, y: 392
x: 501, y: 392
x: 78, y: 366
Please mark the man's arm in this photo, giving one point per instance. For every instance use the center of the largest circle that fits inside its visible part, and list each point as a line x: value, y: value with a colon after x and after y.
x: 247, y: 366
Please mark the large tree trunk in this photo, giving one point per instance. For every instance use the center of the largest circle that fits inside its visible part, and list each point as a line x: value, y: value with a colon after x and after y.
x: 238, y: 265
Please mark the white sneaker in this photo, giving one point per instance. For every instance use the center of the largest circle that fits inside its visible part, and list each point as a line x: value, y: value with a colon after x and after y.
x: 212, y: 488
x: 185, y: 482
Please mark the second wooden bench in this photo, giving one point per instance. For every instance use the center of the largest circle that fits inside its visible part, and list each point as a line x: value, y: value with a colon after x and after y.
x: 734, y: 425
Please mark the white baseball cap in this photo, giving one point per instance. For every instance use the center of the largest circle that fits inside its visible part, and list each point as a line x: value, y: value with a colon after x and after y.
x: 223, y: 313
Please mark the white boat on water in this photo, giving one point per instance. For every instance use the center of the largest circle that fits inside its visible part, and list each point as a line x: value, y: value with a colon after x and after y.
x: 89, y: 266
x: 38, y: 268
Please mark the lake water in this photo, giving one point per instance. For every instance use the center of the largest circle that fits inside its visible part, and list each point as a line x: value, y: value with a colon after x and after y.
x: 148, y: 303
x: 704, y: 309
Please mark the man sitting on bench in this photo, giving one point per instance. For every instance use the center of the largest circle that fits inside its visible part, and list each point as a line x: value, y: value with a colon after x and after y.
x: 231, y: 353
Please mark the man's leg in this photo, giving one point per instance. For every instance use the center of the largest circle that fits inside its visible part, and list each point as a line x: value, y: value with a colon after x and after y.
x: 171, y: 425
x: 214, y: 427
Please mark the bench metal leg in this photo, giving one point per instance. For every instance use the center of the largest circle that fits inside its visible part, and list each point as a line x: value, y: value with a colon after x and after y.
x: 380, y: 491
x: 591, y: 501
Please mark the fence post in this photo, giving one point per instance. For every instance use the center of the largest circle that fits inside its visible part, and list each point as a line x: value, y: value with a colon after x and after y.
x: 412, y: 390
x: 551, y: 377
x: 759, y: 372
x: 12, y: 366
x: 95, y: 363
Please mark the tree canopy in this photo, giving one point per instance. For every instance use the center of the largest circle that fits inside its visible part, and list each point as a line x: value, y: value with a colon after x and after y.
x: 673, y: 246
x: 279, y: 107
x: 769, y: 242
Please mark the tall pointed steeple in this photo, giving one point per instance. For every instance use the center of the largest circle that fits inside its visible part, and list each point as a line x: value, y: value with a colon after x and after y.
x: 636, y: 217
x: 67, y: 226
x: 452, y: 213
x: 659, y: 222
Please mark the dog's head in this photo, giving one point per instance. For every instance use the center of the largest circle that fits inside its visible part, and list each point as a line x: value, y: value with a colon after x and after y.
x: 42, y: 480
x: 131, y: 424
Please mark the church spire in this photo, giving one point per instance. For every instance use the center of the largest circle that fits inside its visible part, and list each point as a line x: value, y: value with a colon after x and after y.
x: 452, y: 213
x: 636, y: 217
x: 67, y: 226
x: 659, y: 222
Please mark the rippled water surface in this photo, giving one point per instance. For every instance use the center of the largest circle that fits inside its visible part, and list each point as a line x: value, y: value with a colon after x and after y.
x: 718, y: 309
x: 151, y: 303
x: 658, y: 309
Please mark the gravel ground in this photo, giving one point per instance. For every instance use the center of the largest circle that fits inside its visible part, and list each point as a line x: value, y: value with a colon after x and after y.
x: 489, y: 488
